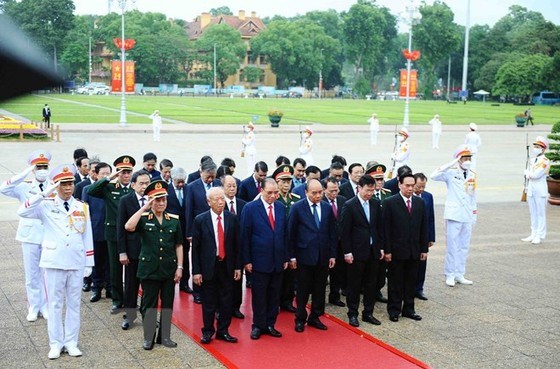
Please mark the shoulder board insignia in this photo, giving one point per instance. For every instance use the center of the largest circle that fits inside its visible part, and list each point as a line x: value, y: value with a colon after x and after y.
x: 146, y: 214
x: 27, y: 181
x: 472, y: 171
x: 174, y: 216
x: 385, y: 190
x: 296, y: 195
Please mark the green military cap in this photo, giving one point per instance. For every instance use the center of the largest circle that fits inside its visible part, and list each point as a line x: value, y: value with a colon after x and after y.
x: 376, y: 170
x: 125, y: 162
x: 283, y: 172
x: 157, y: 188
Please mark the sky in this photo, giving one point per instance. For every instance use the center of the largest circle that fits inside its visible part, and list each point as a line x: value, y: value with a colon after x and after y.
x: 482, y: 11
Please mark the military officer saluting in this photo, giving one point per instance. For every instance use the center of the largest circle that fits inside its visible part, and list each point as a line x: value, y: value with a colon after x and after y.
x: 111, y: 189
x: 402, y: 153
x: 160, y: 264
x: 67, y: 256
x: 283, y: 175
x: 459, y: 213
x: 30, y: 231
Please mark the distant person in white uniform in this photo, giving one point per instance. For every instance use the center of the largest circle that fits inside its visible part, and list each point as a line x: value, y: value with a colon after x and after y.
x: 30, y: 231
x: 537, y: 190
x: 459, y: 213
x: 156, y: 125
x: 373, y: 128
x: 473, y: 141
x: 249, y: 147
x: 402, y: 153
x: 67, y: 256
x: 436, y: 131
x: 306, y: 146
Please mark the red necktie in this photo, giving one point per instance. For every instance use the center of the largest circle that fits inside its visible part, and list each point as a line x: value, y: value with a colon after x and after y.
x: 409, y: 206
x: 221, y: 240
x: 259, y: 187
x: 357, y: 190
x: 270, y: 216
x: 335, y: 212
x: 231, y: 208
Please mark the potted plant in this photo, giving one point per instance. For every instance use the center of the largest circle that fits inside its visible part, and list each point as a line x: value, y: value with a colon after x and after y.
x: 520, y: 119
x: 275, y: 116
x: 553, y: 154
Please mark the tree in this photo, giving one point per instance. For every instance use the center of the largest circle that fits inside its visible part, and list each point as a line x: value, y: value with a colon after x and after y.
x: 252, y: 74
x: 230, y: 49
x: 522, y: 76
x: 75, y: 57
x: 222, y: 10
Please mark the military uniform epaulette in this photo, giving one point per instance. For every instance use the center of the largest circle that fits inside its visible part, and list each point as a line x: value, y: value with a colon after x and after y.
x: 49, y: 198
x: 174, y: 216
x: 385, y: 190
x: 146, y: 214
x: 295, y: 195
x: 27, y: 181
x: 472, y: 171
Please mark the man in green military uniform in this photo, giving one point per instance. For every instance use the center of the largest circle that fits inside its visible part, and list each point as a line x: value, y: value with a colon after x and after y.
x: 111, y: 189
x: 160, y: 265
x: 377, y: 171
x: 283, y: 175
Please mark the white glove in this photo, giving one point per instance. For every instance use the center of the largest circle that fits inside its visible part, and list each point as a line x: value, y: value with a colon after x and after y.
x: 49, y: 190
x: 444, y: 167
x: 21, y: 176
x: 87, y: 271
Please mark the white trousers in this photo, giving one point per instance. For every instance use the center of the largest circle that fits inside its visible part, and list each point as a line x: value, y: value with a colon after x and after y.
x: 435, y: 140
x: 156, y: 130
x: 61, y: 285
x: 537, y: 209
x: 458, y: 239
x: 373, y: 137
x: 34, y: 284
x: 251, y: 160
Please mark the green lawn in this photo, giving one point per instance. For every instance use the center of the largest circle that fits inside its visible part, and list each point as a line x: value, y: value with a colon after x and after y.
x: 105, y: 109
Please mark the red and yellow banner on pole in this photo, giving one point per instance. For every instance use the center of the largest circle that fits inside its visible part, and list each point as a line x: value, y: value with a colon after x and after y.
x: 117, y: 76
x: 413, y: 83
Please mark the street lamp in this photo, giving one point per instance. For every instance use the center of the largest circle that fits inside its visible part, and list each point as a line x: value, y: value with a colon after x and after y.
x: 215, y: 75
x: 466, y: 53
x: 321, y: 74
x: 410, y: 17
x: 122, y: 122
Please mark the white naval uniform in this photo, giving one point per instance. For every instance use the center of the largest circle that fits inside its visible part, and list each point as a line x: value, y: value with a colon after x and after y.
x: 537, y: 192
x: 156, y: 126
x: 401, y: 155
x: 459, y: 214
x: 373, y: 130
x: 305, y: 151
x: 67, y: 249
x: 30, y: 234
x: 250, y: 151
x: 473, y: 141
x: 436, y: 132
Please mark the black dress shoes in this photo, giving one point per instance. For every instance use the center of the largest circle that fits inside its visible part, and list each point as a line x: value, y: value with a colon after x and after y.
x: 148, y: 345
x: 108, y: 294
x: 271, y: 331
x: 288, y: 307
x: 256, y: 333
x: 353, y: 320
x: 379, y: 297
x: 86, y: 287
x: 185, y: 289
x: 125, y: 324
x: 371, y: 319
x: 206, y: 338
x: 116, y: 309
x: 337, y: 303
x: 95, y: 296
x: 238, y: 314
x: 226, y: 337
x: 413, y: 316
x: 168, y: 343
x: 300, y: 326
x: 197, y: 300
x: 394, y: 318
x: 316, y: 323
x: 420, y: 295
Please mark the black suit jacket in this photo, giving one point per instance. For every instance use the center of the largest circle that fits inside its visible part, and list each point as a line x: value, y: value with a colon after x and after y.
x: 393, y: 185
x: 357, y: 232
x: 204, y: 248
x: 340, y: 201
x: 128, y: 242
x: 405, y: 235
x: 174, y: 207
x: 248, y: 190
x: 80, y: 187
x: 193, y: 176
x: 240, y: 204
x: 348, y: 190
x: 195, y: 203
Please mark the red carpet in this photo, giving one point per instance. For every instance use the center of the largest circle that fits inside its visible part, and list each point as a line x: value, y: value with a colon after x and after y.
x: 341, y: 346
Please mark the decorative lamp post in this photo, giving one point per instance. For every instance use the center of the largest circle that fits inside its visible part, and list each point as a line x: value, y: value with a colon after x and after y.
x: 410, y: 17
x: 321, y: 75
x: 215, y: 75
x: 122, y: 121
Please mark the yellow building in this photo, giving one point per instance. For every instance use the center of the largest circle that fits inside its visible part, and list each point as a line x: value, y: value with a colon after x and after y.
x: 101, y: 63
x: 249, y: 27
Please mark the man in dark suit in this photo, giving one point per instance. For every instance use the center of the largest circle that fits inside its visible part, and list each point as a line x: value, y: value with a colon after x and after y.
x: 299, y: 173
x: 92, y: 176
x: 82, y: 169
x: 196, y: 203
x: 235, y: 206
x: 405, y: 236
x: 47, y: 115
x: 312, y: 242
x: 100, y: 275
x: 325, y: 173
x: 393, y: 184
x: 250, y: 187
x: 420, y: 191
x: 263, y: 227
x: 363, y: 248
x: 311, y: 172
x: 337, y: 274
x: 129, y: 243
x: 196, y: 174
x: 350, y: 188
x: 216, y: 265
x: 176, y: 195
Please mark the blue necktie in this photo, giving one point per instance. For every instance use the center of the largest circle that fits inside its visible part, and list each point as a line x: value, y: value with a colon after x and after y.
x: 366, y: 209
x: 316, y: 216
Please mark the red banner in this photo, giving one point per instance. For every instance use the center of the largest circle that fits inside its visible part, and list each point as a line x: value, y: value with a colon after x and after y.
x: 129, y: 78
x: 413, y: 83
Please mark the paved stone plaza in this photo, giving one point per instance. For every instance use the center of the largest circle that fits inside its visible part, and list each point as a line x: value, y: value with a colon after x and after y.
x: 509, y: 318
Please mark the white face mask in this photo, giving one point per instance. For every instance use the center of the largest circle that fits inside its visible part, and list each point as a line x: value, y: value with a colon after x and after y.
x: 466, y: 165
x: 41, y: 175
x: 537, y: 151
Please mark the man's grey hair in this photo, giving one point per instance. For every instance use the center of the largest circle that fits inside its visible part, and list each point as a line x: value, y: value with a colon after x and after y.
x: 178, y: 174
x: 213, y: 191
x: 208, y: 166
